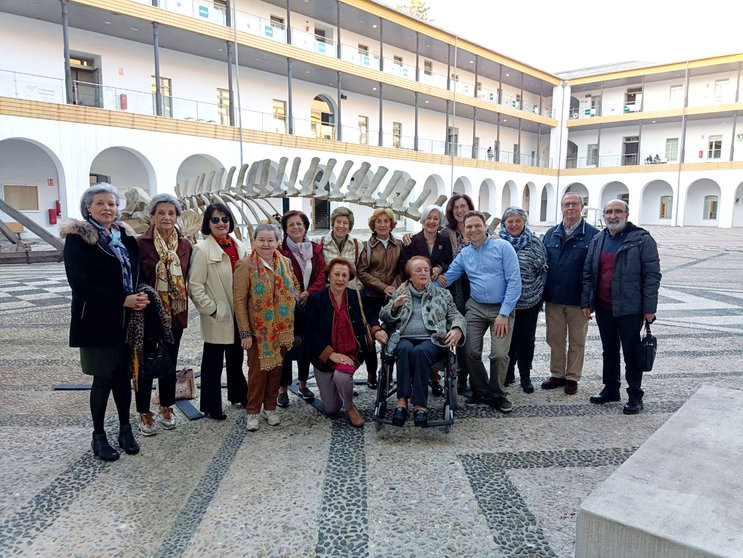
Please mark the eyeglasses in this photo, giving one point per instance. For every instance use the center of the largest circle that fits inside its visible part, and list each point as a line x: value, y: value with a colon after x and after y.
x: 216, y: 220
x: 614, y: 211
x: 571, y: 204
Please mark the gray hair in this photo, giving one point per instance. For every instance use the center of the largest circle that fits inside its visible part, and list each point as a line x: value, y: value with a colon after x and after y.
x: 433, y: 207
x: 342, y: 212
x: 165, y: 198
x: 90, y: 193
x: 513, y: 210
x: 268, y: 227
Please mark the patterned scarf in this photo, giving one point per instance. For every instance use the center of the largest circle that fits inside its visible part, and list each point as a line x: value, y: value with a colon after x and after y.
x: 110, y: 241
x: 169, y: 281
x: 301, y: 250
x: 342, y: 337
x: 271, y: 303
x: 518, y: 242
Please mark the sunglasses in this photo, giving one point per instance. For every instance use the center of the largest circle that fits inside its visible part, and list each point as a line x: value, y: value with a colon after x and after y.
x: 216, y: 220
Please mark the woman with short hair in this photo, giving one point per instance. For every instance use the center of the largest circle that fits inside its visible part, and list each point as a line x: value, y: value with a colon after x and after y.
x: 102, y: 264
x: 265, y: 290
x: 338, y: 242
x: 165, y: 256
x: 210, y: 287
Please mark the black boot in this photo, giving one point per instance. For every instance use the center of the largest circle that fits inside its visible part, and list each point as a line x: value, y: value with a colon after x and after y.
x: 102, y: 449
x: 526, y: 384
x: 127, y: 441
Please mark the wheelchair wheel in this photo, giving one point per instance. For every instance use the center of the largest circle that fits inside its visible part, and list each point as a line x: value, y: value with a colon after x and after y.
x: 452, y: 384
x: 448, y: 413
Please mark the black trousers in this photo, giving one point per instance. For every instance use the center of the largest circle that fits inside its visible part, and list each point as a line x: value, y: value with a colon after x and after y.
x: 166, y: 383
x: 372, y: 306
x: 521, y: 351
x: 621, y: 331
x: 303, y: 365
x: 211, y: 375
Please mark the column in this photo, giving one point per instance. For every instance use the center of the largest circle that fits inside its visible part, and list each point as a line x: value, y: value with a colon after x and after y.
x: 156, y: 47
x: 66, y: 46
x: 380, y: 134
x: 338, y: 120
x: 288, y: 22
x: 338, y: 39
x: 229, y: 83
x: 474, y: 130
x: 415, y: 137
x: 289, y: 104
x: 381, y: 49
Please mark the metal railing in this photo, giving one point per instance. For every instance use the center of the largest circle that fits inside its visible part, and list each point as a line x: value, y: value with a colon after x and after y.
x: 618, y: 160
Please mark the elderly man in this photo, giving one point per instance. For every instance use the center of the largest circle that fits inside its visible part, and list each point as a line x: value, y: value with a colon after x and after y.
x: 566, y: 245
x: 621, y: 277
x: 492, y: 268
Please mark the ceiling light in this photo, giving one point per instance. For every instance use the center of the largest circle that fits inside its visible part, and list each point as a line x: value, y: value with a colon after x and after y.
x: 220, y: 49
x: 134, y: 29
x: 306, y: 71
x: 258, y: 59
x: 107, y: 22
x: 653, y: 122
x: 507, y: 74
x: 374, y: 88
x: 472, y: 61
x: 375, y: 26
x: 361, y: 21
x: 504, y: 120
x: 426, y: 102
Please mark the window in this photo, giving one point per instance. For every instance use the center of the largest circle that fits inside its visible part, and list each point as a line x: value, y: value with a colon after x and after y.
x: 595, y: 105
x: 592, y: 154
x: 166, y: 92
x: 396, y: 134
x: 478, y: 88
x: 721, y: 87
x: 672, y: 149
x: 279, y: 116
x: 666, y: 206
x: 676, y: 96
x: 710, y: 208
x: 223, y: 106
x: 428, y: 67
x: 363, y: 129
x: 397, y: 60
x: 277, y: 22
x: 633, y: 99
x: 714, y: 150
x: 452, y: 140
x: 363, y: 49
x: 320, y: 35
x: 22, y: 196
x: 86, y: 89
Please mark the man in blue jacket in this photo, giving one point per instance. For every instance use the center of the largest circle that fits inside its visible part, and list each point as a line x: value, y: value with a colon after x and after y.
x: 492, y: 266
x: 566, y: 245
x: 621, y: 278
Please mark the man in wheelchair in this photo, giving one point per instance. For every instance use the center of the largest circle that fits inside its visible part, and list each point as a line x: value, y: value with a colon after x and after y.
x: 427, y: 321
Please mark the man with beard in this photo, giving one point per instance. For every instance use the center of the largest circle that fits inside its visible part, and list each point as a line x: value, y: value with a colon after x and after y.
x: 621, y: 277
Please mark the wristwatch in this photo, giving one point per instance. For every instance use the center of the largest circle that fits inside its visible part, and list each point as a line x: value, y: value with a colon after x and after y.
x: 245, y: 334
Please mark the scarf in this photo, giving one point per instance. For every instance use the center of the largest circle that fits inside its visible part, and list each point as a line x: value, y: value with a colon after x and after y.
x: 339, y: 242
x: 301, y: 250
x: 110, y: 241
x: 169, y: 281
x: 271, y: 304
x: 135, y: 332
x: 518, y: 242
x: 342, y: 337
x: 229, y: 248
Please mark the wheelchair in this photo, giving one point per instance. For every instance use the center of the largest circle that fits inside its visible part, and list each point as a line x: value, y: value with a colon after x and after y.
x: 387, y: 387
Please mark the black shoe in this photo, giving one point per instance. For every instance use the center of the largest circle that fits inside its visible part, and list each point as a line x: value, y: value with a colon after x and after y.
x: 436, y: 389
x: 371, y: 383
x: 604, y: 397
x: 306, y: 394
x: 476, y: 399
x: 283, y: 400
x: 633, y: 407
x: 217, y: 416
x: 420, y: 417
x: 399, y: 416
x: 102, y: 449
x: 502, y: 404
x: 127, y: 441
x: 526, y: 385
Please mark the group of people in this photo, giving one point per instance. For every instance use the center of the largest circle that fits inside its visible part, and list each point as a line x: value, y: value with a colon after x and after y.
x: 327, y: 301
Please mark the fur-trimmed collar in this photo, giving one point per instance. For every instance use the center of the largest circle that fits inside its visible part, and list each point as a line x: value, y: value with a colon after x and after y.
x: 88, y: 232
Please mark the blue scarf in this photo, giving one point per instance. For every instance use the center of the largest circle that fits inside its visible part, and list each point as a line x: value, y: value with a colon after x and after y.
x: 518, y: 242
x: 110, y: 241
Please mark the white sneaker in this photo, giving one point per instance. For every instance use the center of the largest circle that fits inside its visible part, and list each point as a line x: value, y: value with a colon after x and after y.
x: 253, y: 422
x: 146, y: 423
x: 272, y: 417
x: 167, y: 418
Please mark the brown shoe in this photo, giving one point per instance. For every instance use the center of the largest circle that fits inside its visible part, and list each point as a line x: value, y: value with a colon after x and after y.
x: 354, y: 417
x: 552, y: 383
x: 571, y: 387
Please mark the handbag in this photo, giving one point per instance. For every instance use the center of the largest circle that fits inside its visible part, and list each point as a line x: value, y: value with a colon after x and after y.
x: 367, y: 329
x: 185, y: 384
x: 645, y: 351
x: 157, y: 362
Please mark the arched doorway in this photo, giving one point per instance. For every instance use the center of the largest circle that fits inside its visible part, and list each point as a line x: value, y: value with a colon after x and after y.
x: 32, y: 180
x: 738, y: 207
x: 571, y: 159
x: 656, y: 206
x: 702, y: 203
x: 574, y: 108
x: 547, y: 203
x: 614, y: 191
x: 193, y: 167
x: 463, y: 186
x: 508, y: 196
x: 580, y: 189
x: 436, y: 184
x: 483, y: 198
x: 124, y: 168
x: 322, y: 117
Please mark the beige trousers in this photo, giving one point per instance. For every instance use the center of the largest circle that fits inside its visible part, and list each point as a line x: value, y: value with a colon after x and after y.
x: 566, y: 325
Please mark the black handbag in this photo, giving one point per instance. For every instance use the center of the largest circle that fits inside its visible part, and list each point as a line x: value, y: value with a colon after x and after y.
x: 645, y: 350
x: 157, y: 362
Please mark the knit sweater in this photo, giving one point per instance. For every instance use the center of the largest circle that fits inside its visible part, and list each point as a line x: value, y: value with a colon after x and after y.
x: 533, y: 267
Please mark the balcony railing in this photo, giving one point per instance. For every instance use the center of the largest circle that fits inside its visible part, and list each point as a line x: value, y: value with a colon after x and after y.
x: 620, y: 160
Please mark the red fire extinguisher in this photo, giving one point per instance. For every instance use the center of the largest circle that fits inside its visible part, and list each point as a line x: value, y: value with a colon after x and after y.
x: 53, y: 216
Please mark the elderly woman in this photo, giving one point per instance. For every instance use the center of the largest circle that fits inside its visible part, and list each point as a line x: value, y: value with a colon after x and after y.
x: 165, y: 255
x: 379, y: 273
x: 338, y: 242
x: 265, y: 289
x: 102, y: 264
x: 210, y: 288
x: 427, y: 321
x: 308, y: 266
x: 533, y: 266
x: 336, y: 342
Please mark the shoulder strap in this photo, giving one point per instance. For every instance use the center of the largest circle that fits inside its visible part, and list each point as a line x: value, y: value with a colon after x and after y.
x: 368, y: 252
x: 356, y: 246
x: 361, y: 308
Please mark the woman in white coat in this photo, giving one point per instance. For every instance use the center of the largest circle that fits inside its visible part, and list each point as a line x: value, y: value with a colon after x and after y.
x: 210, y: 287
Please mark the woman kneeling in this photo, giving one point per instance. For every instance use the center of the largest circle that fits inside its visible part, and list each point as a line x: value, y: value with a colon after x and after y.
x: 428, y: 322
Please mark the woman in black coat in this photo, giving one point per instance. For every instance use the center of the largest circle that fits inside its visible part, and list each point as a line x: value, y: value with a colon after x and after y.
x: 102, y: 265
x: 336, y: 342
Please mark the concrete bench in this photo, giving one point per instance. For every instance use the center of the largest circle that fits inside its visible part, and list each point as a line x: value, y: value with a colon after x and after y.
x: 15, y: 227
x: 680, y: 495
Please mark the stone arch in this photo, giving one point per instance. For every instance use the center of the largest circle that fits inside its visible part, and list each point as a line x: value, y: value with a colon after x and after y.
x: 738, y: 206
x: 509, y: 195
x: 702, y: 203
x: 529, y: 200
x: 25, y: 161
x: 656, y: 205
x: 462, y: 185
x: 437, y: 188
x: 547, y: 203
x: 614, y: 190
x: 124, y: 168
x: 486, y: 202
x: 578, y: 188
x: 322, y: 117
x: 193, y: 166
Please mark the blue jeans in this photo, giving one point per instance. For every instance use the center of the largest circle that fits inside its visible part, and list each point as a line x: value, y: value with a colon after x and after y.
x: 414, y: 360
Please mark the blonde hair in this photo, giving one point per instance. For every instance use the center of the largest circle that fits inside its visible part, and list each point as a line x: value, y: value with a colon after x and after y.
x: 378, y: 213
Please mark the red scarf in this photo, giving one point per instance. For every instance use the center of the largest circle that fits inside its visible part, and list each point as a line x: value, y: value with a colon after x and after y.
x: 229, y: 248
x: 342, y: 338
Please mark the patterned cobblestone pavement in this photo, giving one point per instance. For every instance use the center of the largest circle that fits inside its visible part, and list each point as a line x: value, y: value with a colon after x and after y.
x: 496, y: 485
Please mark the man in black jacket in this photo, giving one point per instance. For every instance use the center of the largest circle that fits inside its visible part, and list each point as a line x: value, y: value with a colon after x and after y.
x: 621, y: 278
